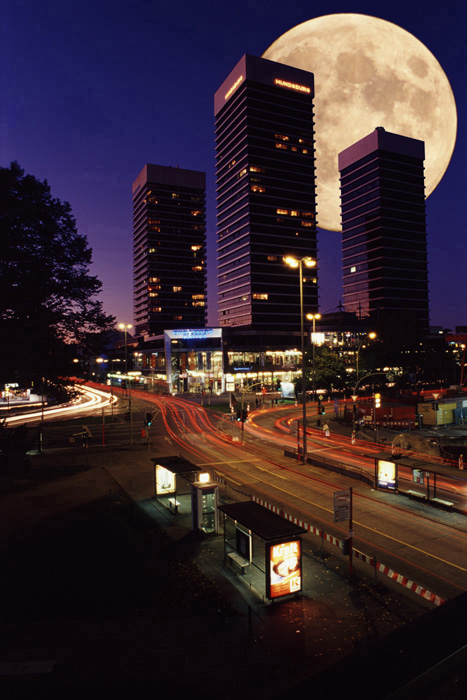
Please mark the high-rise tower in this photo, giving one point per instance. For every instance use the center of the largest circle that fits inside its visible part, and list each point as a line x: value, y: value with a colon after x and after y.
x: 265, y: 194
x: 169, y: 249
x: 385, y: 270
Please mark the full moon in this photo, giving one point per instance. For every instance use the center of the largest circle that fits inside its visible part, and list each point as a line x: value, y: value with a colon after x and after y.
x: 369, y: 73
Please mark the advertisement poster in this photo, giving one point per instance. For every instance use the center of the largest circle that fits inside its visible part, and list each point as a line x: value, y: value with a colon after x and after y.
x: 285, y: 569
x: 386, y: 475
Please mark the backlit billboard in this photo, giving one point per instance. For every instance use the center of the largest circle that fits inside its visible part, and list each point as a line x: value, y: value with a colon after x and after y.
x: 284, y: 568
x: 386, y: 475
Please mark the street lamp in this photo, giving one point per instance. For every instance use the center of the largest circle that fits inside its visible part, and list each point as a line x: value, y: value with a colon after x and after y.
x: 299, y: 262
x: 124, y: 327
x: 314, y: 318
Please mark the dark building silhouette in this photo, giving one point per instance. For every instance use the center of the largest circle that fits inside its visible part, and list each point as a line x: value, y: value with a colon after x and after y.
x: 169, y: 249
x: 265, y: 194
x: 385, y: 270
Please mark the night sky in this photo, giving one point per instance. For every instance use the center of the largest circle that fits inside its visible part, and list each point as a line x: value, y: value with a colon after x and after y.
x: 91, y: 91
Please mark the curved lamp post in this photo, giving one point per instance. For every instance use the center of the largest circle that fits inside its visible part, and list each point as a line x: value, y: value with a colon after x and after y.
x: 124, y: 327
x: 300, y: 262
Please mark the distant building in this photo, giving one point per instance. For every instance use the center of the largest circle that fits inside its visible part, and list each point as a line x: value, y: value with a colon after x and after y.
x: 169, y: 249
x: 385, y: 270
x: 265, y: 195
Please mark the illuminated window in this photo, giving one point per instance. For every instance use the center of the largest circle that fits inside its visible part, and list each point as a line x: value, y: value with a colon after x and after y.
x: 294, y: 148
x: 282, y: 211
x: 353, y: 269
x: 307, y: 224
x: 175, y: 195
x: 232, y: 163
x: 272, y: 258
x: 177, y: 289
x: 198, y: 303
x: 178, y: 318
x: 152, y: 200
x: 154, y: 279
x: 195, y: 247
x: 153, y: 294
x: 152, y: 250
x: 260, y: 296
x: 156, y: 309
x: 257, y: 188
x: 282, y: 145
x: 305, y: 150
x: 197, y: 296
x: 242, y: 172
x: 308, y: 214
x: 197, y: 268
x: 255, y: 169
x: 196, y: 212
x: 281, y: 137
x: 293, y: 212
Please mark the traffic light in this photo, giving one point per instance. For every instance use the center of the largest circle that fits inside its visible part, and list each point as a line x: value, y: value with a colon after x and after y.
x: 148, y: 420
x: 377, y: 400
x: 346, y: 545
x: 239, y: 415
x: 434, y: 405
x: 244, y: 415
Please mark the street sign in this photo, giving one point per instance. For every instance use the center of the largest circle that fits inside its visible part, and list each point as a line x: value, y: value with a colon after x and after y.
x: 342, y: 505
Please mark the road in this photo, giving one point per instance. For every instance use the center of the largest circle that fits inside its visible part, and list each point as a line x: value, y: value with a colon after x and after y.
x: 422, y: 544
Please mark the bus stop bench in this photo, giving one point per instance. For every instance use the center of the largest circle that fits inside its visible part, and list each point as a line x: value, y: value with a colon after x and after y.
x: 442, y: 502
x: 238, y: 561
x: 173, y: 505
x: 417, y: 494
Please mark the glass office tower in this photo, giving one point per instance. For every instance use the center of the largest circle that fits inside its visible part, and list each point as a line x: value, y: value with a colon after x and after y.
x: 265, y: 194
x: 169, y: 249
x: 385, y: 269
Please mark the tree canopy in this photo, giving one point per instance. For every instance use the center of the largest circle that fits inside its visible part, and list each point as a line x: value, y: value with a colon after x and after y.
x: 48, y: 298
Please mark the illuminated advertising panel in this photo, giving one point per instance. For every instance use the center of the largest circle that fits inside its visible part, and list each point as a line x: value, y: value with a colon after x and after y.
x: 165, y: 480
x: 285, y: 568
x: 386, y: 475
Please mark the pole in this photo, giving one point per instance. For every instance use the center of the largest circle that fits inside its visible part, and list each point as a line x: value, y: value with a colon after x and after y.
x: 103, y: 427
x: 303, y: 363
x: 313, y: 350
x: 131, y: 412
x: 350, y: 533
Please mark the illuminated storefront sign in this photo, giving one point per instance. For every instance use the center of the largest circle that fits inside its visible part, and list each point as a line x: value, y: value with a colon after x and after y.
x: 192, y: 333
x: 285, y: 569
x: 386, y: 475
x: 233, y: 88
x: 292, y: 86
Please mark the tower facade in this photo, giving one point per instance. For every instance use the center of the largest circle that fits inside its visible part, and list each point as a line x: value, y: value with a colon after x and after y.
x: 169, y: 249
x: 385, y: 268
x: 266, y: 208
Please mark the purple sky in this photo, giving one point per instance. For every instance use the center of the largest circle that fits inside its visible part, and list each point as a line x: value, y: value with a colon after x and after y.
x: 91, y: 91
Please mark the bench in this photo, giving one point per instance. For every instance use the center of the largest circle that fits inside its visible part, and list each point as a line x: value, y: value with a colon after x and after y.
x: 173, y: 505
x: 238, y: 561
x: 442, y: 502
x: 417, y: 494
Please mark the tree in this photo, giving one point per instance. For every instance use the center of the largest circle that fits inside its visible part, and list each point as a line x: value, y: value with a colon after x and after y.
x: 48, y: 302
x: 329, y: 370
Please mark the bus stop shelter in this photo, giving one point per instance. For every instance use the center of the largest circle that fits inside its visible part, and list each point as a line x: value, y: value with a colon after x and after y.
x: 173, y: 477
x: 264, y: 548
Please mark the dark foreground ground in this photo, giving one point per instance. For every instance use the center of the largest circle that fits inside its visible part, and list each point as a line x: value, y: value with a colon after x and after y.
x: 96, y: 599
